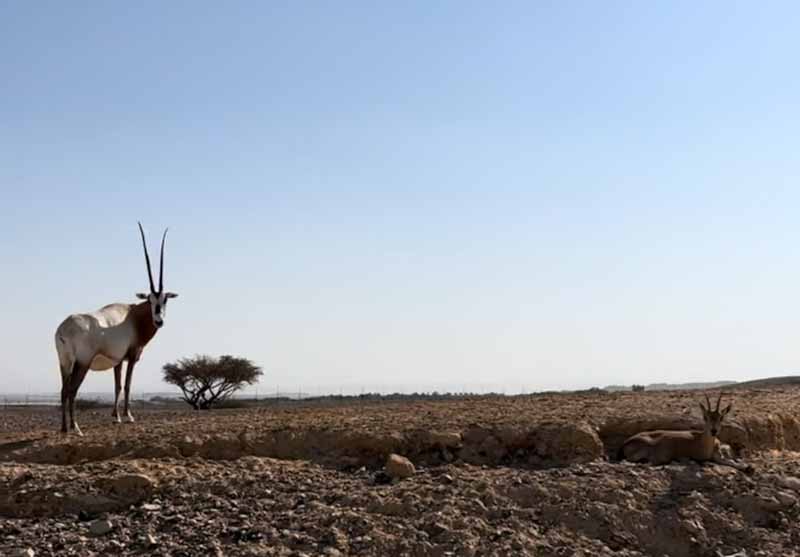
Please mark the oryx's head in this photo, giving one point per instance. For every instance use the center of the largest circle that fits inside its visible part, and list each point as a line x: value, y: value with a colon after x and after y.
x: 157, y: 298
x: 713, y: 418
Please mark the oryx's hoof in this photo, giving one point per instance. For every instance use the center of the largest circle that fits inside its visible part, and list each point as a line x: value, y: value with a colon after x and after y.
x: 129, y: 418
x: 77, y: 430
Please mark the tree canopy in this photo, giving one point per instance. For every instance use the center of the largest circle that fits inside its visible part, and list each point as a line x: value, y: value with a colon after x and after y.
x: 205, y: 380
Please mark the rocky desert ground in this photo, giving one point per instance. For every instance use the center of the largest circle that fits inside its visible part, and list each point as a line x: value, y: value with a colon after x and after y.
x: 526, y: 475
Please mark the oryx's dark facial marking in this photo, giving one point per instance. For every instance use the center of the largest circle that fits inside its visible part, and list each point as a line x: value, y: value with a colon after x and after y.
x: 156, y: 298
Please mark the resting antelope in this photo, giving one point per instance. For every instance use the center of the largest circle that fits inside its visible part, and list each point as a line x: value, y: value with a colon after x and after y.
x: 108, y: 337
x: 661, y: 447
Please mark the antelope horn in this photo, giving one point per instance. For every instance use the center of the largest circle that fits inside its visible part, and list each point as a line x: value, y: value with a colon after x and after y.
x: 147, y: 260
x: 719, y: 400
x: 161, y: 264
x: 708, y: 402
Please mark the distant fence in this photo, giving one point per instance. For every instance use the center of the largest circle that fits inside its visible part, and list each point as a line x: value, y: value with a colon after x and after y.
x: 13, y: 401
x: 30, y: 400
x: 263, y: 397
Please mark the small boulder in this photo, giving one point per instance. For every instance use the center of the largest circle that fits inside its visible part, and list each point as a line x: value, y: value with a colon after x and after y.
x: 27, y: 552
x: 445, y: 439
x: 129, y: 487
x: 789, y: 482
x: 101, y: 527
x: 399, y: 467
x: 786, y: 499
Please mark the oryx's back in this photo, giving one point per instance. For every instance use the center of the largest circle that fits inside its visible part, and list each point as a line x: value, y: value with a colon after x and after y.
x: 100, y: 339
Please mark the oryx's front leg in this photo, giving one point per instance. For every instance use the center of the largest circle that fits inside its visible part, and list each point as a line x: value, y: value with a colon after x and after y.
x: 117, y: 390
x: 64, y: 403
x: 128, y: 375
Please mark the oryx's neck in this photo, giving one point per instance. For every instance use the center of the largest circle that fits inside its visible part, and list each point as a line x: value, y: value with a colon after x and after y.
x: 143, y: 319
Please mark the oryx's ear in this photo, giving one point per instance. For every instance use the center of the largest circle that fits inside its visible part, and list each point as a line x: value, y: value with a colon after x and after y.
x: 141, y: 296
x: 171, y: 295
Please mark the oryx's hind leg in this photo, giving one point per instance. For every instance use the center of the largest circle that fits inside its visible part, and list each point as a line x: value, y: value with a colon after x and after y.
x: 66, y: 375
x: 117, y: 390
x: 128, y: 375
x: 76, y: 378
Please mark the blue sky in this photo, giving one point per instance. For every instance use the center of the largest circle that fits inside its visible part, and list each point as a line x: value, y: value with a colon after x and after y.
x: 410, y: 196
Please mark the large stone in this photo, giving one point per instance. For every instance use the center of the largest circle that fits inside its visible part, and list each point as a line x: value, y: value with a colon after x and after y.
x: 445, y: 439
x: 789, y: 482
x: 566, y: 443
x: 399, y: 467
x: 129, y: 487
x: 101, y: 527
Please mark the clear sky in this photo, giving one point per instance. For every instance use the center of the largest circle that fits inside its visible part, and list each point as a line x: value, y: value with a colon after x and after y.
x: 408, y: 195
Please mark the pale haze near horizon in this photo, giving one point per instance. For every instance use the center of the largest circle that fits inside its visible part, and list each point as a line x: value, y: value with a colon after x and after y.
x: 426, y: 196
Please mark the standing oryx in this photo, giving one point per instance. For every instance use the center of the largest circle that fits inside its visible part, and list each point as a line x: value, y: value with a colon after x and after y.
x: 107, y: 337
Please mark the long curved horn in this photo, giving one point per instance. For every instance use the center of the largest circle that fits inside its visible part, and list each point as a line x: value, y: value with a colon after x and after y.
x: 147, y: 260
x: 708, y: 402
x: 719, y: 400
x: 161, y: 264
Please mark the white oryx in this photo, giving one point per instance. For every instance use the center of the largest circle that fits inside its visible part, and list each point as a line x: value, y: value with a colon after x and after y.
x: 106, y: 338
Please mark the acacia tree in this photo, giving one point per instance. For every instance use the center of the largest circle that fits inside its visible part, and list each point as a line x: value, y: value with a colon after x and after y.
x: 205, y: 380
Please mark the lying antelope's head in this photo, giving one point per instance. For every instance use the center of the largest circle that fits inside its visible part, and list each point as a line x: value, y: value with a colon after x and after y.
x: 713, y: 418
x: 157, y: 298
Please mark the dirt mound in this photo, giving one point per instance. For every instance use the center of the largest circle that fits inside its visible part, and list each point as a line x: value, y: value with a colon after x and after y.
x: 550, y: 444
x: 26, y: 492
x: 539, y: 445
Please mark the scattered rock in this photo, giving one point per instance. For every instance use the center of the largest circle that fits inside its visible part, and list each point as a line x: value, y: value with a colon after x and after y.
x: 447, y: 440
x: 27, y: 552
x: 131, y: 486
x: 786, y: 499
x: 100, y: 527
x: 789, y: 482
x: 399, y: 467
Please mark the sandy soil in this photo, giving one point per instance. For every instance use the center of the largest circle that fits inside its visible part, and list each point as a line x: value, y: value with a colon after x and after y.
x: 501, y: 476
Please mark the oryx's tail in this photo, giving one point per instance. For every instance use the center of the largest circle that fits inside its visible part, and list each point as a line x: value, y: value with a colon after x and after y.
x: 66, y: 357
